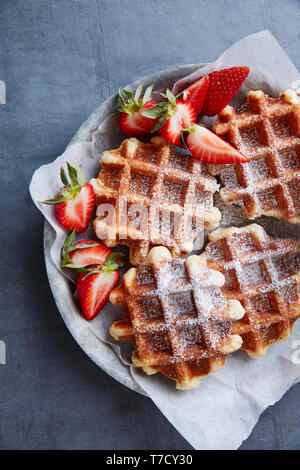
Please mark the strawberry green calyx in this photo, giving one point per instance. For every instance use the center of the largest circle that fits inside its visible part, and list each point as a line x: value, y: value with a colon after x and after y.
x: 112, y: 263
x: 70, y: 189
x: 131, y: 104
x: 70, y: 246
x: 190, y: 129
x: 163, y: 111
x: 65, y: 260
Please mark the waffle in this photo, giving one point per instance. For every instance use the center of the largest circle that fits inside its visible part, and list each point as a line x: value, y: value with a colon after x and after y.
x: 176, y: 317
x: 267, y: 131
x: 263, y: 274
x: 172, y: 191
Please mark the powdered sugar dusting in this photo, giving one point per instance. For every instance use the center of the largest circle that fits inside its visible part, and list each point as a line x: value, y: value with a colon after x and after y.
x: 260, y: 272
x: 176, y: 314
x: 266, y: 133
x: 169, y: 185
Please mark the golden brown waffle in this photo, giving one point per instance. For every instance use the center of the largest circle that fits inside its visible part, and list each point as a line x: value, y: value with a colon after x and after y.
x: 174, y: 189
x: 267, y: 131
x: 263, y: 274
x: 176, y: 317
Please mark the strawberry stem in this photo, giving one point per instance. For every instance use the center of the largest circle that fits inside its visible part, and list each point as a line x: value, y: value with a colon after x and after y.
x: 183, y: 134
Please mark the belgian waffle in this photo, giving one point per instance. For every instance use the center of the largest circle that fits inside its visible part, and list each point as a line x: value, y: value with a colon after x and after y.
x: 176, y: 317
x: 263, y: 274
x: 267, y: 131
x: 174, y: 189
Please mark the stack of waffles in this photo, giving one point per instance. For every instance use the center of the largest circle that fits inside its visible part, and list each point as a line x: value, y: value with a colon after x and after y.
x: 184, y: 316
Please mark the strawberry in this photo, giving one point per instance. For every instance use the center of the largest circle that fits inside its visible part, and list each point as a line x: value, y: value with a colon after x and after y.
x: 174, y: 116
x: 83, y: 253
x: 223, y: 86
x: 94, y: 285
x: 131, y: 118
x: 206, y: 146
x: 196, y: 93
x: 75, y: 201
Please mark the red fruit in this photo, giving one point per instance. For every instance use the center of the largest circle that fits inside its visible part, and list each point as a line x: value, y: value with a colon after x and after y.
x: 76, y: 213
x: 174, y: 116
x: 83, y: 253
x: 223, y: 86
x: 196, y: 93
x: 95, y: 284
x: 75, y: 202
x: 131, y: 119
x: 93, y: 291
x: 206, y: 146
x: 184, y: 116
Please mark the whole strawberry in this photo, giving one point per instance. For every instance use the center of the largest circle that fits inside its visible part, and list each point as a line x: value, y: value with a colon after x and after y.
x: 131, y: 119
x: 75, y: 201
x: 223, y: 86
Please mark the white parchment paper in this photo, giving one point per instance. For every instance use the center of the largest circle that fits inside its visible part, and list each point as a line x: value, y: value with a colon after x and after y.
x: 221, y: 413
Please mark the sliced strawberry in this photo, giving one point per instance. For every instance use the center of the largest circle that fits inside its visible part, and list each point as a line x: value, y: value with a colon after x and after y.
x: 93, y: 291
x: 76, y: 213
x: 131, y: 119
x: 75, y: 202
x: 206, y: 146
x: 183, y: 117
x: 83, y: 253
x: 196, y: 93
x: 223, y: 86
x: 95, y: 284
x: 174, y: 116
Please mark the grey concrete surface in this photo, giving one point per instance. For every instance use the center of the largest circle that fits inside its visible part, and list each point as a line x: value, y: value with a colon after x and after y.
x: 60, y: 59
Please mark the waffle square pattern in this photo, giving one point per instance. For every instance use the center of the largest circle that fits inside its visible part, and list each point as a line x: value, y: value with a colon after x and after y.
x: 155, y: 196
x: 176, y: 316
x: 267, y: 131
x: 263, y: 274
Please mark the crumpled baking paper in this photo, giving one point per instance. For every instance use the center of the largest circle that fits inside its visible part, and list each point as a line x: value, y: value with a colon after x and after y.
x: 221, y: 413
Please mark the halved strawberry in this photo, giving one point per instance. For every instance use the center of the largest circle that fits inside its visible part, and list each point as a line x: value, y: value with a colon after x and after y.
x: 196, y: 93
x: 95, y: 284
x: 174, y: 116
x: 75, y: 201
x: 83, y: 253
x: 206, y: 146
x: 131, y: 119
x: 223, y: 86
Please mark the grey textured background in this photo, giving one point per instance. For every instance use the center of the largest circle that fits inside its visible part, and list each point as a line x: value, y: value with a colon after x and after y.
x: 60, y: 59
